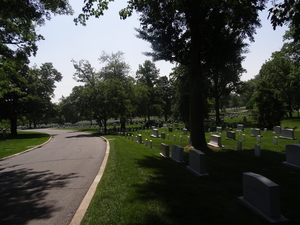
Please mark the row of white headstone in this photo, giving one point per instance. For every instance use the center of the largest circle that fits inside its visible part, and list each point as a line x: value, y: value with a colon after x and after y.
x: 260, y: 194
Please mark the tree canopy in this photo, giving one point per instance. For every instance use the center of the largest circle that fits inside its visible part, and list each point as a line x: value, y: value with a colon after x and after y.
x: 182, y: 30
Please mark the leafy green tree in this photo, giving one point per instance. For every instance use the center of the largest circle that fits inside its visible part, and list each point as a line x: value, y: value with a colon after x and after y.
x: 40, y: 90
x: 276, y: 86
x: 179, y: 31
x: 30, y: 92
x: 114, y: 66
x: 84, y: 72
x: 180, y: 100
x: 268, y: 104
x: 164, y: 91
x: 148, y: 75
x: 140, y: 99
x: 18, y: 22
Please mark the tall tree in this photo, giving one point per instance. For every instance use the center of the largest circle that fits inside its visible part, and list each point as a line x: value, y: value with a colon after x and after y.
x: 114, y: 66
x: 148, y: 75
x: 178, y: 30
x: 18, y: 22
x: 30, y: 93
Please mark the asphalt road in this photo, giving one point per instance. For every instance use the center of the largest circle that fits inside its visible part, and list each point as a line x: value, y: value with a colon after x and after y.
x: 45, y: 186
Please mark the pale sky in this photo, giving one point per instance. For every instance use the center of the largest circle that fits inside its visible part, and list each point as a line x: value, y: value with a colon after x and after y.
x: 65, y: 41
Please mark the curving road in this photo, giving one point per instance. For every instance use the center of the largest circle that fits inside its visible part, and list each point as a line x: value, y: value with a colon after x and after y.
x: 46, y: 185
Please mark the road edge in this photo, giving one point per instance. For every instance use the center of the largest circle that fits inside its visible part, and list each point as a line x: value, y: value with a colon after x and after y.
x: 77, y: 218
x: 35, y: 147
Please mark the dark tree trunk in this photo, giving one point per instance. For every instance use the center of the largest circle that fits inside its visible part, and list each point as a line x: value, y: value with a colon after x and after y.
x: 105, y: 128
x: 217, y: 109
x: 196, y: 81
x: 13, y: 125
x: 197, y: 101
x: 123, y: 122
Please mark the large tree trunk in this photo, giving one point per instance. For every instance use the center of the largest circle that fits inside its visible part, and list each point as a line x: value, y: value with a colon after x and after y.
x: 196, y: 82
x: 197, y: 102
x: 217, y: 109
x: 13, y: 125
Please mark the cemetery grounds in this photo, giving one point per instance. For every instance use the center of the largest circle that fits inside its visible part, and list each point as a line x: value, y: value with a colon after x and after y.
x: 141, y: 187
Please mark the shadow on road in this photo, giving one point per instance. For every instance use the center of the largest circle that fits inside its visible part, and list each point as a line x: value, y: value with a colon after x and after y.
x: 81, y: 136
x: 22, y: 194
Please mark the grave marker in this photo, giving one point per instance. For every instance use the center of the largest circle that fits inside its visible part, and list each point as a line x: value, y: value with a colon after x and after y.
x: 255, y: 132
x: 165, y: 150
x: 215, y: 140
x: 287, y: 134
x: 230, y: 135
x: 257, y: 150
x: 155, y: 133
x: 292, y: 156
x: 177, y: 154
x: 197, y: 163
x: 239, y: 146
x: 262, y: 196
x: 275, y: 140
x: 240, y: 127
x: 276, y: 129
x: 219, y: 130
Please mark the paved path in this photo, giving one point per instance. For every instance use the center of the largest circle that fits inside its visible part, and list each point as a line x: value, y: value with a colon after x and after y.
x: 45, y: 186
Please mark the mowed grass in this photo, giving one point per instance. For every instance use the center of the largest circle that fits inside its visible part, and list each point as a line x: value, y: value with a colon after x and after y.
x: 24, y: 141
x: 139, y: 187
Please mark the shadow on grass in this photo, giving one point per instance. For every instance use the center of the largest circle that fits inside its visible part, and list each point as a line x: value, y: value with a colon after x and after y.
x: 23, y: 193
x: 192, y: 200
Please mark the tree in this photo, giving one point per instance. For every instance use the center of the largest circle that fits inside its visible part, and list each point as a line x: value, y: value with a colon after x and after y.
x: 178, y: 31
x: 286, y: 12
x: 180, y: 100
x: 164, y: 91
x: 276, y: 86
x: 18, y: 22
x: 84, y: 72
x: 148, y: 74
x: 114, y: 66
x: 30, y: 93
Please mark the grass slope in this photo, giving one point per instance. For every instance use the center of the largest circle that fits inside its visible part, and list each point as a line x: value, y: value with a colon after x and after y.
x: 141, y: 187
x: 20, y: 143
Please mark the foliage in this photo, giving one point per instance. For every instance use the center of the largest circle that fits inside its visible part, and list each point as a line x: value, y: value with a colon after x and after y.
x: 18, y: 22
x: 147, y: 74
x: 276, y: 89
x: 28, y: 92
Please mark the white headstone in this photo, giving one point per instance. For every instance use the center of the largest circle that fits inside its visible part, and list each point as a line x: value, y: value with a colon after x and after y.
x: 243, y: 137
x: 262, y: 196
x: 239, y: 146
x: 292, y: 156
x: 275, y: 140
x: 165, y: 152
x: 215, y: 140
x: 287, y: 134
x: 230, y: 135
x: 177, y: 154
x: 257, y: 150
x: 197, y: 163
x: 255, y: 132
x: 258, y: 139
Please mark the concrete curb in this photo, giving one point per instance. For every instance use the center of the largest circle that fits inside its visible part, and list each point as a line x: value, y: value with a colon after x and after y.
x: 35, y: 147
x: 77, y: 218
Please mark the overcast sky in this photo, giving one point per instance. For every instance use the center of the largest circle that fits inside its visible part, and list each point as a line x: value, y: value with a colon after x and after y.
x: 64, y: 41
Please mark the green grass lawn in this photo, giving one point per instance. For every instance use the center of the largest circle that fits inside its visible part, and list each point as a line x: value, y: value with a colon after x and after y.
x: 139, y: 187
x: 24, y: 141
